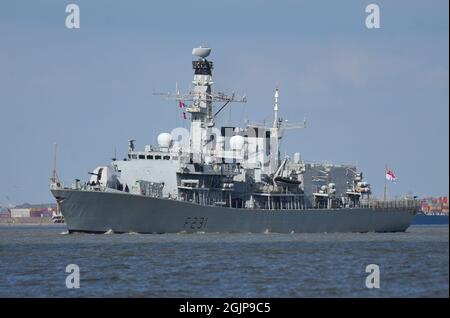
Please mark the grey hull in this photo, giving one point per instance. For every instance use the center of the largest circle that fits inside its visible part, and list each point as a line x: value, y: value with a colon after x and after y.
x: 94, y: 211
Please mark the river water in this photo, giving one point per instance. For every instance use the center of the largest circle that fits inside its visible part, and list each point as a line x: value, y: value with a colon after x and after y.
x: 33, y: 262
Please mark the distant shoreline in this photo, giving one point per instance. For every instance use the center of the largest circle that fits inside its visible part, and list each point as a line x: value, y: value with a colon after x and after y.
x: 27, y: 221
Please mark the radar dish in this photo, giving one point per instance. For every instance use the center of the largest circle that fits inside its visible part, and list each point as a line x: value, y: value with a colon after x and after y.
x: 201, y: 51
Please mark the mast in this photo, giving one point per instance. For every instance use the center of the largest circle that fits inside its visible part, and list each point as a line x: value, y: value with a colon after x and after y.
x: 275, y: 136
x: 54, y: 177
x: 385, y: 182
x: 201, y: 100
x: 276, y: 121
x: 276, y: 131
x: 201, y: 108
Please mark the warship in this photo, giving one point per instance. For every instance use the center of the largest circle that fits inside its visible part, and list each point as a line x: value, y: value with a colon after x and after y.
x: 224, y: 179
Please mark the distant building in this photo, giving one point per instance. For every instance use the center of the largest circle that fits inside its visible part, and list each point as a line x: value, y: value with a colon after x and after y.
x: 20, y: 213
x: 4, y: 212
x: 29, y: 210
x: 36, y: 206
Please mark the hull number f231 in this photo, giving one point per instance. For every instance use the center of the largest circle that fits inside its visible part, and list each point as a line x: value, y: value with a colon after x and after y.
x: 195, y: 223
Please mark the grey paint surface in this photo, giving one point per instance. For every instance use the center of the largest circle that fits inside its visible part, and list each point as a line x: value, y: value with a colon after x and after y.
x: 95, y: 211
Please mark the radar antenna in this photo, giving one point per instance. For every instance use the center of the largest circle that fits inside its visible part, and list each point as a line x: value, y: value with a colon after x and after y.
x: 277, y: 122
x: 201, y: 97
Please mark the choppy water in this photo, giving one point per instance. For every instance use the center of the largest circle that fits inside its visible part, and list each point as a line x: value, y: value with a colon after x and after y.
x: 412, y: 264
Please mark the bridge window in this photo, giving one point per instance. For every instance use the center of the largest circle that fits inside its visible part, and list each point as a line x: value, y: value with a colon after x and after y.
x: 150, y: 157
x: 157, y: 157
x: 134, y: 156
x: 141, y: 157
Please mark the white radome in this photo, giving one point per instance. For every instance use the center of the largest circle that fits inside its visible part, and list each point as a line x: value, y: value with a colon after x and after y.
x: 164, y: 140
x: 202, y: 52
x: 237, y: 142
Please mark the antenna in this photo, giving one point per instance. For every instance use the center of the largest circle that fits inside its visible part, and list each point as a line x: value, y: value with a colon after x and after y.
x: 177, y: 92
x: 276, y: 121
x: 54, y: 177
x: 201, y: 96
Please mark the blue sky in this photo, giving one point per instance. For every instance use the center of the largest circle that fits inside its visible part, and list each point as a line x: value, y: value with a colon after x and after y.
x: 369, y: 96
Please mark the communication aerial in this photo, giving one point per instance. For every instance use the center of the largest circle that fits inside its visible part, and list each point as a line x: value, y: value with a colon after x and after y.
x: 203, y: 52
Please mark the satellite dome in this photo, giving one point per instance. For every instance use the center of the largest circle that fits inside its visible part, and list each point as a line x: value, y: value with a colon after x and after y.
x: 201, y: 51
x: 164, y: 140
x: 237, y: 142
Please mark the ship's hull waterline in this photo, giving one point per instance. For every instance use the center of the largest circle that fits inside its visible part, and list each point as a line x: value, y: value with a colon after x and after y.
x: 99, y: 212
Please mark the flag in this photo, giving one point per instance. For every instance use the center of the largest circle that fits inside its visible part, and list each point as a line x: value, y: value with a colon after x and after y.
x: 390, y: 175
x: 181, y: 104
x: 184, y: 115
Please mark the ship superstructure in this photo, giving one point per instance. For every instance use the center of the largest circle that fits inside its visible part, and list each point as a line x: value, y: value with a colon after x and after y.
x: 204, y: 174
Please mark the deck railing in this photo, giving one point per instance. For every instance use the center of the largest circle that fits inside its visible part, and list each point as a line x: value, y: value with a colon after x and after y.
x: 392, y: 204
x: 411, y: 204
